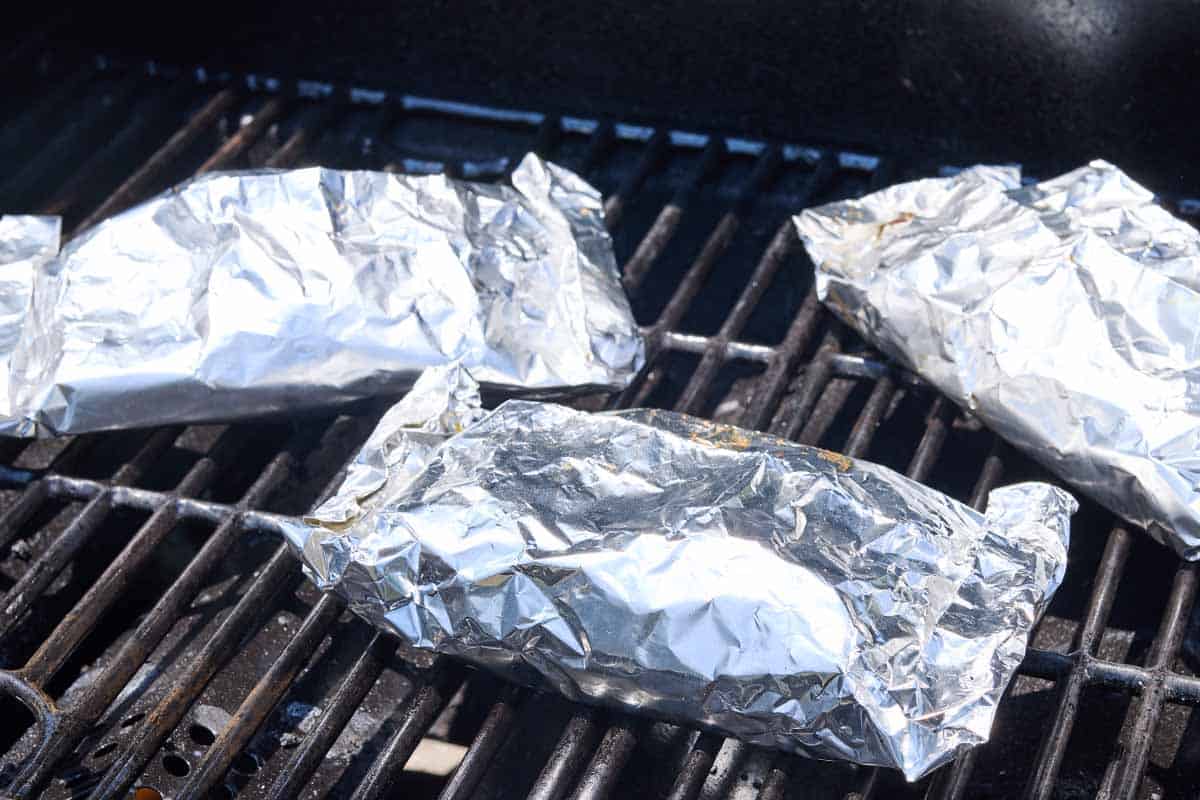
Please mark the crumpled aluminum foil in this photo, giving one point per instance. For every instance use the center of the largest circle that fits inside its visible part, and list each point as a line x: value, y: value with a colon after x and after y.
x: 783, y: 594
x: 1063, y: 314
x: 26, y: 243
x: 246, y: 293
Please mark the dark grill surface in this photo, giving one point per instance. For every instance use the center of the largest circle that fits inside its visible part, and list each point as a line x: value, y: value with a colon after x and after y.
x: 158, y: 639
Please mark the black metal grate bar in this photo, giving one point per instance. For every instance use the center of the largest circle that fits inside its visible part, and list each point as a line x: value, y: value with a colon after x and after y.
x: 79, y: 715
x: 115, y: 150
x: 1054, y: 745
x: 266, y: 693
x: 600, y: 776
x: 488, y: 740
x: 579, y: 735
x: 1124, y: 775
x: 690, y: 779
x: 776, y: 783
x: 419, y: 715
x: 294, y: 147
x: 31, y: 585
x: 246, y: 135
x: 140, y: 182
x: 835, y: 394
x: 74, y: 628
x: 158, y: 724
x: 696, y: 275
x: 353, y: 689
x: 694, y: 395
x: 667, y: 221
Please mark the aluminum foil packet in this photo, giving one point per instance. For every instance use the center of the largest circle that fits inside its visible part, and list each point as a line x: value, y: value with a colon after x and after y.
x: 1064, y: 314
x: 26, y: 243
x: 246, y: 293
x: 655, y: 562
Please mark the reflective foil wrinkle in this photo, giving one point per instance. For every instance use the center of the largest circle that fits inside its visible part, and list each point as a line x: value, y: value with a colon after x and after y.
x: 1064, y: 314
x: 652, y: 561
x: 240, y: 294
x: 26, y: 243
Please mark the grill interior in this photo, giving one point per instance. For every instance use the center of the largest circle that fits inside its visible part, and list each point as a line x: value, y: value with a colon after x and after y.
x: 158, y: 639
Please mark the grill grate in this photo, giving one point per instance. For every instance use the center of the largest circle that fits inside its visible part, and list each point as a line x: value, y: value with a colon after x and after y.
x: 161, y: 639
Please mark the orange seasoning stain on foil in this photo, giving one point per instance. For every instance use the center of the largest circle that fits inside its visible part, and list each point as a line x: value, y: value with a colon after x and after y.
x: 843, y: 463
x: 901, y: 218
x: 729, y: 437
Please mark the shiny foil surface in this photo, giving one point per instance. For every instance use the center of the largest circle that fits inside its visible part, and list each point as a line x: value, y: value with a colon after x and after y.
x: 26, y: 243
x: 1063, y: 314
x: 655, y: 562
x: 247, y: 293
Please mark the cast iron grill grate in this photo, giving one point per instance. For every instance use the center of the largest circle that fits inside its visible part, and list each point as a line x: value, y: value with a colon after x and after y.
x: 157, y: 638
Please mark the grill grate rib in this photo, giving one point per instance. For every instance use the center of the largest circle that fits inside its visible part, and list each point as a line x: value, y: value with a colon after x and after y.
x: 138, y: 184
x: 810, y: 380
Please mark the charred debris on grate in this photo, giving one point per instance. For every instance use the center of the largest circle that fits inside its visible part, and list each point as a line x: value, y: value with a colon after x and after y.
x: 147, y: 675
